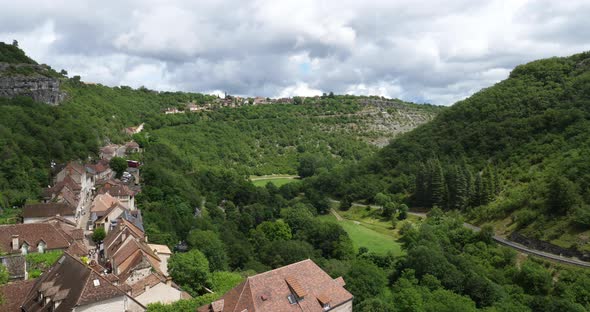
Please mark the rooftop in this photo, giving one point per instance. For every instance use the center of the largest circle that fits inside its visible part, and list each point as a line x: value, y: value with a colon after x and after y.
x: 301, y: 286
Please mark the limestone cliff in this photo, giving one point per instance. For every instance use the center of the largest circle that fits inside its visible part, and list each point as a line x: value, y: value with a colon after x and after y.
x: 37, y: 81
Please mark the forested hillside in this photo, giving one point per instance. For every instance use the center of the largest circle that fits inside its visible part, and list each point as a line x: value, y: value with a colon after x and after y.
x: 516, y: 153
x: 32, y: 135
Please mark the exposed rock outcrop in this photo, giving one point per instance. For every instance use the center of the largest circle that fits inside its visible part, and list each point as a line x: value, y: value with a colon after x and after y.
x: 36, y: 85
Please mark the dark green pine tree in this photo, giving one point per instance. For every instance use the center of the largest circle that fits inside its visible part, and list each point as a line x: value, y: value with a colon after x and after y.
x: 461, y: 190
x: 478, y: 197
x: 438, y: 185
x: 489, y: 187
x: 420, y: 191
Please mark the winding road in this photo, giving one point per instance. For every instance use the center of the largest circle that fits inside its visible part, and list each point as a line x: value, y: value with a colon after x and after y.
x: 499, y: 239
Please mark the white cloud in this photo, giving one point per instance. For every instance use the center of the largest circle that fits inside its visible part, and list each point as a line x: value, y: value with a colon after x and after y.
x: 299, y: 89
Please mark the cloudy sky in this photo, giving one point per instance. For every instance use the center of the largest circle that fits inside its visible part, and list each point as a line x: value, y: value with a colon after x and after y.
x: 423, y: 51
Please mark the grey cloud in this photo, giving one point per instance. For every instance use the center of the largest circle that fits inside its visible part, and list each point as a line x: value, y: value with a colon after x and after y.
x: 423, y: 51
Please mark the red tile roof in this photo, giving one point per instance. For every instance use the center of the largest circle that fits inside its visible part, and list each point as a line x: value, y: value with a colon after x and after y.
x: 269, y: 291
x: 32, y: 234
x: 14, y: 295
x: 48, y: 210
x: 72, y: 282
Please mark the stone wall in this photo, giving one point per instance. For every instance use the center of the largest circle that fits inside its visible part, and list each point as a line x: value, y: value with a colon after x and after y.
x: 548, y: 247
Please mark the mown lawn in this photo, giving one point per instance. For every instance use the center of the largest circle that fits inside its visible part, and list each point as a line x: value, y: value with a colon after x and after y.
x: 278, y: 180
x: 363, y: 236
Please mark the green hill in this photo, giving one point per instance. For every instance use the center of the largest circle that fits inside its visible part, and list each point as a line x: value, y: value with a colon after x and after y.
x: 516, y: 153
x: 10, y: 53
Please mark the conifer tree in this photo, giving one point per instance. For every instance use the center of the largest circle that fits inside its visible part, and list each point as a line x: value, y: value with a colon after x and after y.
x: 438, y: 185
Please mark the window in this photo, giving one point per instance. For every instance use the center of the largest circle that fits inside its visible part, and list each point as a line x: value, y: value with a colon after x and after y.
x: 41, y: 247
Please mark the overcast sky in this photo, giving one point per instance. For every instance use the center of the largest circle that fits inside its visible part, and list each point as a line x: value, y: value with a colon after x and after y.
x: 424, y: 51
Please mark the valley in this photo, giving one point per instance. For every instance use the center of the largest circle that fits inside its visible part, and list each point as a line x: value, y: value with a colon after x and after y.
x: 229, y: 193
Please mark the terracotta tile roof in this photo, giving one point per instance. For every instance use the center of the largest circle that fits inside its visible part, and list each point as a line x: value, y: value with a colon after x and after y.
x: 48, y: 210
x: 116, y: 190
x: 132, y: 144
x: 67, y: 228
x: 14, y: 294
x: 133, y: 228
x: 32, y: 234
x: 107, y: 213
x: 15, y: 265
x: 160, y: 249
x: 100, y: 167
x: 109, y: 149
x: 74, y: 166
x: 102, y: 203
x: 269, y: 291
x: 72, y: 282
x: 78, y: 249
x: 117, y: 236
x: 149, y: 282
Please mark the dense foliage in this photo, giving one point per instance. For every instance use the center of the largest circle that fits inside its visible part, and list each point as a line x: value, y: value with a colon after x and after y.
x: 516, y: 150
x: 10, y: 53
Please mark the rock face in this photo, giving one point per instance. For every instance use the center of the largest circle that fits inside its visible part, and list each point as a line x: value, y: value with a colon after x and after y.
x: 40, y: 88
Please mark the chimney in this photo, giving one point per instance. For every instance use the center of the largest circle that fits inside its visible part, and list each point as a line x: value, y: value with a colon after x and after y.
x: 146, y: 240
x: 15, y: 244
x: 169, y: 281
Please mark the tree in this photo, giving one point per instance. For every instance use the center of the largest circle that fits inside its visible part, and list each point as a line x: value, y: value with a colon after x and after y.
x: 119, y: 165
x: 63, y: 72
x: 345, y: 203
x: 365, y: 280
x: 98, y: 235
x: 309, y: 165
x: 438, y: 185
x: 389, y: 210
x: 403, y: 212
x: 279, y: 253
x: 212, y: 247
x: 15, y: 43
x: 561, y: 196
x: 277, y: 230
x: 190, y: 270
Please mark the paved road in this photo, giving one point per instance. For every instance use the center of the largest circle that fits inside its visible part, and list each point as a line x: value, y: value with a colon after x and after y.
x: 502, y: 241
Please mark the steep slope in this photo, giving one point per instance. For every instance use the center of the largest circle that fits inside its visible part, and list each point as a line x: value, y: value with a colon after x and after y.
x: 517, y: 153
x: 34, y: 134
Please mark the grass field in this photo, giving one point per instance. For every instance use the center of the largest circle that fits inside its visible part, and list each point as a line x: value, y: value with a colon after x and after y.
x: 363, y: 236
x: 277, y: 180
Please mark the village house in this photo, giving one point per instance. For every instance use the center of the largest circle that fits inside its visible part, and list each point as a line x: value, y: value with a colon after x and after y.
x: 172, y: 110
x: 134, y: 130
x: 72, y: 285
x: 119, y: 191
x: 108, y: 219
x: 112, y: 150
x: 138, y: 265
x: 100, y: 171
x: 65, y: 191
x: 301, y: 286
x: 52, y: 234
x: 34, y: 213
x: 192, y: 107
x: 14, y: 294
x: 132, y: 147
x: 106, y: 210
x: 16, y: 266
x: 164, y: 253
